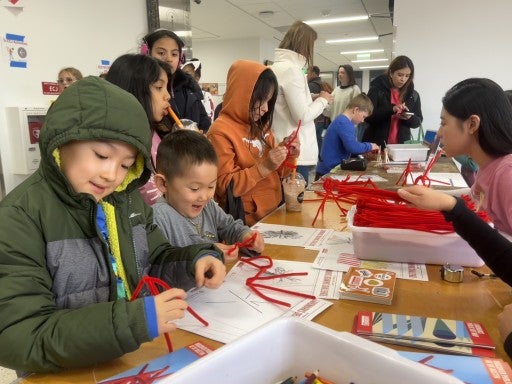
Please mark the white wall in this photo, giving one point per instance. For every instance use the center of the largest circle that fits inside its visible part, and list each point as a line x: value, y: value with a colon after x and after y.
x: 449, y: 41
x: 217, y: 56
x: 61, y: 33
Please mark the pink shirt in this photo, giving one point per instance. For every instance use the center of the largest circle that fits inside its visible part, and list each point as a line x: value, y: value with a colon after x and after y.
x: 493, y: 191
x: 150, y: 193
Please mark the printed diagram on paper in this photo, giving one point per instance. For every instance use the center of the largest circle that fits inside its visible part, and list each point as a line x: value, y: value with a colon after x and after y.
x: 337, y: 254
x: 288, y: 235
x: 233, y: 310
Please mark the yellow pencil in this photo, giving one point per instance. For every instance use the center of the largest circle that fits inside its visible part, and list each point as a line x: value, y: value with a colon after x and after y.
x: 175, y: 118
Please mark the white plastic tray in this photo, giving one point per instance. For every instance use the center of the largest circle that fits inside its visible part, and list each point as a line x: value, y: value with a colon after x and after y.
x: 289, y: 347
x: 404, y: 152
x: 407, y: 245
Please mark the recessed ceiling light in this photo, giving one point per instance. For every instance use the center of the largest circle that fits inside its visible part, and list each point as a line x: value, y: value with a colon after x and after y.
x: 374, y: 67
x: 352, y: 40
x: 336, y: 20
x: 365, y: 51
x: 368, y: 60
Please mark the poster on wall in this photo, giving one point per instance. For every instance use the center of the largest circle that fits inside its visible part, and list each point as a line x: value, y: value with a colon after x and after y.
x: 103, y: 67
x: 15, y: 49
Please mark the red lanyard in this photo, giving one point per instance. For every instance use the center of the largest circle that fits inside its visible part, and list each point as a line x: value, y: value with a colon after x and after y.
x: 154, y: 284
x: 263, y: 264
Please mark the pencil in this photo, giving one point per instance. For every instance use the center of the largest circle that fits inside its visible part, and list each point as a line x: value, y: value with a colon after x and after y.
x: 175, y: 118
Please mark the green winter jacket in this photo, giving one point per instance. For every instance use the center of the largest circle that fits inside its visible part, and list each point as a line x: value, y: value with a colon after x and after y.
x: 58, y: 304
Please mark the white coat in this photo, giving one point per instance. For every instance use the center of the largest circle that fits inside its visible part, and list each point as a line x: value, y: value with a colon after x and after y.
x: 294, y: 103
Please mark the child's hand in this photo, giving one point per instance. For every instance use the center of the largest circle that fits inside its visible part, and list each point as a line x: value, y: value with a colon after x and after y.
x: 258, y: 243
x: 375, y: 147
x: 294, y: 146
x: 169, y: 306
x: 426, y: 198
x: 275, y: 157
x: 225, y: 248
x: 209, y: 272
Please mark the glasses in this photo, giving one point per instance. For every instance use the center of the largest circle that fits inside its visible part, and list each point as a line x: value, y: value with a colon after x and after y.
x: 66, y: 80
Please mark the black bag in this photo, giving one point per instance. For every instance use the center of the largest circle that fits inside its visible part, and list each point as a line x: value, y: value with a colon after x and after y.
x: 354, y: 164
x: 234, y: 205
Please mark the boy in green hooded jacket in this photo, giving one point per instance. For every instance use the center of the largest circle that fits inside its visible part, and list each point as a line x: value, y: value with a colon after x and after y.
x: 76, y: 238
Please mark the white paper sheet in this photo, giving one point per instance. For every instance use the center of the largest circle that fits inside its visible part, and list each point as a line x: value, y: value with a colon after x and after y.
x: 233, y: 309
x: 286, y: 234
x: 449, y: 179
x: 354, y: 177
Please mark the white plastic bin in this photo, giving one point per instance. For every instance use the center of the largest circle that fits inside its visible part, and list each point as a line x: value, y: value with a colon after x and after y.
x: 404, y: 152
x: 407, y: 245
x: 289, y: 347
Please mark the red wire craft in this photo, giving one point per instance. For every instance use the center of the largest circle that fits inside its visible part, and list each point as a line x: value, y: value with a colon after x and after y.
x: 424, y: 179
x: 242, y: 244
x: 141, y: 377
x: 154, y: 284
x: 263, y: 264
x: 349, y: 192
x: 380, y: 214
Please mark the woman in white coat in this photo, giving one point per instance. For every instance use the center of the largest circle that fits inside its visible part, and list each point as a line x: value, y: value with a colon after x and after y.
x: 294, y: 102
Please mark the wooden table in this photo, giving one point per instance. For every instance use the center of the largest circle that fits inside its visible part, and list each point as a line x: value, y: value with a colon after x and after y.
x: 475, y: 299
x: 443, y: 165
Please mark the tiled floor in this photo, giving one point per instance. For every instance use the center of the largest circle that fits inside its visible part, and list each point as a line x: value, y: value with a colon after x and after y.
x: 7, y: 376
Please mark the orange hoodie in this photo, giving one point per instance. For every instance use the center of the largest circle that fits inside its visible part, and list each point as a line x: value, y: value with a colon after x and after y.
x: 238, y: 154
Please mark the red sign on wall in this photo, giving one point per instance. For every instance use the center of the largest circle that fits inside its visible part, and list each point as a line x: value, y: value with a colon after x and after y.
x: 50, y: 88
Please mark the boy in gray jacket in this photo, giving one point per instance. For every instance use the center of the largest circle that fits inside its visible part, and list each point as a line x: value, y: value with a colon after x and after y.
x: 76, y: 238
x: 186, y: 166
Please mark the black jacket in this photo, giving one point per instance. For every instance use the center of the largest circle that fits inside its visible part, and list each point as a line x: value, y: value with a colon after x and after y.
x: 315, y: 85
x: 378, y: 123
x: 186, y: 100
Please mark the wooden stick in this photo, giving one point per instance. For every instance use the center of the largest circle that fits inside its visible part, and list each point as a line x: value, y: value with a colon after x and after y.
x: 175, y: 118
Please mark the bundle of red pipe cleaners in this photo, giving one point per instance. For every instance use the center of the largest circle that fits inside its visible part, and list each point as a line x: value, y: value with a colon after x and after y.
x: 384, y: 209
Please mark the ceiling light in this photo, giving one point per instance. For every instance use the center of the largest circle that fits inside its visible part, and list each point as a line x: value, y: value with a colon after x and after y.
x: 368, y: 60
x: 183, y: 33
x: 266, y: 14
x: 365, y: 51
x: 374, y: 67
x: 352, y: 40
x: 336, y: 20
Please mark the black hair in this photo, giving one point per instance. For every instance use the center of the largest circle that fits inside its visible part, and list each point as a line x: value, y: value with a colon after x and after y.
x: 266, y: 83
x: 487, y: 100
x: 151, y: 38
x: 135, y: 73
x: 315, y: 70
x: 180, y: 150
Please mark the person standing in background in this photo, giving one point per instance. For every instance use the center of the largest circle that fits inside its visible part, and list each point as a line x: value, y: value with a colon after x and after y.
x: 396, y: 105
x: 344, y: 92
x: 294, y: 102
x: 68, y: 76
x: 316, y: 85
x: 186, y: 95
x: 194, y: 69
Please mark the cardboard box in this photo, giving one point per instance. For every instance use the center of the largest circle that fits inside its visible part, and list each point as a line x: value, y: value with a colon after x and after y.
x: 288, y: 347
x: 407, y: 245
x: 404, y: 152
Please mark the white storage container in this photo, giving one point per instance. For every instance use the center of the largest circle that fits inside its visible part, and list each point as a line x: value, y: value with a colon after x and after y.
x: 289, y: 347
x: 404, y: 152
x: 407, y: 245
